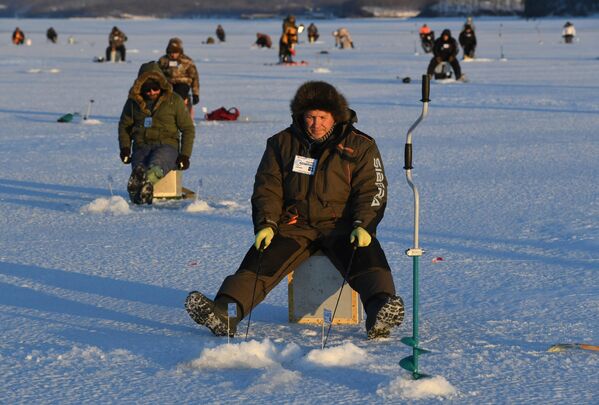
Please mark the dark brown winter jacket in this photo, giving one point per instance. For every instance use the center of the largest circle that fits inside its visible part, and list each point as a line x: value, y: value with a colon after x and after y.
x: 171, y: 123
x: 348, y: 187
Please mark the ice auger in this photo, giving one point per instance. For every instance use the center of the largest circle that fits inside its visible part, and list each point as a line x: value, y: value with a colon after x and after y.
x: 410, y: 363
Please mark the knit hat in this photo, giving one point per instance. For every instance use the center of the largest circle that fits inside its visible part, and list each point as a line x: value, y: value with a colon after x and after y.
x: 175, y: 45
x: 317, y: 95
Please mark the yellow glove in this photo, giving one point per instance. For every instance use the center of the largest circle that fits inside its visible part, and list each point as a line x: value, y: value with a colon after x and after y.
x: 361, y: 235
x: 266, y: 235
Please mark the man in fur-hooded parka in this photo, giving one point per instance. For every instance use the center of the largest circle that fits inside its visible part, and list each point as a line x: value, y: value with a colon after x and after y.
x: 313, y: 193
x: 156, y: 134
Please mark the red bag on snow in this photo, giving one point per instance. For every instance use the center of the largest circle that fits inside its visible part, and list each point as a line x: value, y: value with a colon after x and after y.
x: 222, y: 114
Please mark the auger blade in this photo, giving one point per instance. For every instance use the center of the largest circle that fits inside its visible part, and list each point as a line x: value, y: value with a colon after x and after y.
x: 418, y: 376
x: 410, y: 341
x: 407, y: 363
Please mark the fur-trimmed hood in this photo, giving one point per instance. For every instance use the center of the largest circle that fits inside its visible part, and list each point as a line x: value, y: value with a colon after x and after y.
x: 317, y: 95
x: 147, y: 71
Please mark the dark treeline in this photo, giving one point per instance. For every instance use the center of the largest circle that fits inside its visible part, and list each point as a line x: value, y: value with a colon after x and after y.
x: 240, y: 8
x: 536, y: 8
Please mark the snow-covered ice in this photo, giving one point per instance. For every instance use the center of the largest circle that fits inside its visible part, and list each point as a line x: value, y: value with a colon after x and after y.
x: 115, y: 205
x: 92, y: 287
x: 199, y: 206
x: 405, y: 388
x: 347, y: 354
x: 251, y: 354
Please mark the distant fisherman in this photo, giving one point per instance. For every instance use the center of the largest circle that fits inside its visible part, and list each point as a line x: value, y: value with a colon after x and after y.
x: 52, y: 35
x: 288, y: 40
x: 116, y: 46
x: 181, y: 72
x: 18, y: 36
x: 569, y: 32
x: 445, y: 50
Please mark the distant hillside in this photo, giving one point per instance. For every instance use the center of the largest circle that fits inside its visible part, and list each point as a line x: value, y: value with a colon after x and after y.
x: 197, y: 8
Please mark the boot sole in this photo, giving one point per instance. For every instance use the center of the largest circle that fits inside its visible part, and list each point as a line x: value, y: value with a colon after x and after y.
x: 389, y: 316
x: 201, y: 310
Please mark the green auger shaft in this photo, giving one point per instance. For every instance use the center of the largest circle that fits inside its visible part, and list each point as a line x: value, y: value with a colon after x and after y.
x: 415, y: 308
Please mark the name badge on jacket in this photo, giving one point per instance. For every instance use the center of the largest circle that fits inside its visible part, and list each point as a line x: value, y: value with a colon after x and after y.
x: 304, y: 165
x: 147, y: 122
x: 173, y: 63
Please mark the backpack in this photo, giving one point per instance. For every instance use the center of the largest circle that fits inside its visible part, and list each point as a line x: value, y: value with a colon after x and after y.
x: 222, y: 114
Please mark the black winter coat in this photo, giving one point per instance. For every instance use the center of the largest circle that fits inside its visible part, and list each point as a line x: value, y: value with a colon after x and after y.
x: 467, y: 39
x: 445, y: 49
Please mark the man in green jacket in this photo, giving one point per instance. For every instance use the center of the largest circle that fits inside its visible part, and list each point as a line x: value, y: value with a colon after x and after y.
x: 320, y: 185
x: 156, y: 133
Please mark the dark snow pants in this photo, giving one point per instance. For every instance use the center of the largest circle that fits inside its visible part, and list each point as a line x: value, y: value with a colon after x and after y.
x: 285, y: 53
x: 455, y: 65
x: 469, y: 50
x: 369, y: 275
x: 164, y: 156
x: 120, y: 49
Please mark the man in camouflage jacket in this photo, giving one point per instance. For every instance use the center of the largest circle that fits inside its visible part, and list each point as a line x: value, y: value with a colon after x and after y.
x: 320, y: 185
x: 181, y: 72
x: 116, y: 42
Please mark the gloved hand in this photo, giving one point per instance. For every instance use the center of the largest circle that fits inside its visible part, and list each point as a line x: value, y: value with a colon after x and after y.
x: 182, y: 162
x: 266, y: 235
x: 196, y: 99
x: 361, y: 235
x: 126, y: 155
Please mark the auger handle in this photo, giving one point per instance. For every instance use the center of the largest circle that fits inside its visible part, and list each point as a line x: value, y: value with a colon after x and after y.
x: 426, y: 88
x: 407, y: 153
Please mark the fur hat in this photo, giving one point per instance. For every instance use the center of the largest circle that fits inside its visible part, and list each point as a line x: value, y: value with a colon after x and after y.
x: 316, y: 95
x: 174, y: 45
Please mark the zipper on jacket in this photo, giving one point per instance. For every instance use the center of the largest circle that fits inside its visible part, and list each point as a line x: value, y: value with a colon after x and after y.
x: 313, y: 181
